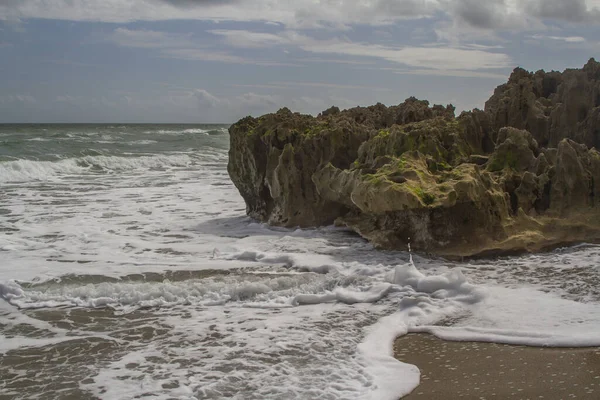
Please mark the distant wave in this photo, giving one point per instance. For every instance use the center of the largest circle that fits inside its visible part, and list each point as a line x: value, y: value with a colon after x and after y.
x: 141, y: 142
x: 221, y: 130
x: 189, y: 130
x: 168, y: 131
x: 28, y: 170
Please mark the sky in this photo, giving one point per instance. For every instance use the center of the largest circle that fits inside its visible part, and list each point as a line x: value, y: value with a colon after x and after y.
x: 215, y: 61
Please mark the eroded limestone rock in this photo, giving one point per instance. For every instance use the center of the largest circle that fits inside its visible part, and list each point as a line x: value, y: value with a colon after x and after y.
x: 519, y: 176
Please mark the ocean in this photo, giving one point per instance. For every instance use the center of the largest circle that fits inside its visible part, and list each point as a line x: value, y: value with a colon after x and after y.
x: 129, y: 269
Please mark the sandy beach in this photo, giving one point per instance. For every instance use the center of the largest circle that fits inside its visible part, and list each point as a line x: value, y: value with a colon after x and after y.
x: 472, y: 370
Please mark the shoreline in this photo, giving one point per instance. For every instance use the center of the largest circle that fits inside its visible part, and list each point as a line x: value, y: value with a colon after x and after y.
x: 480, y: 370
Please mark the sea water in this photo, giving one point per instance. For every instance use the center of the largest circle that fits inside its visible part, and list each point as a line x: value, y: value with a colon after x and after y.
x: 128, y: 268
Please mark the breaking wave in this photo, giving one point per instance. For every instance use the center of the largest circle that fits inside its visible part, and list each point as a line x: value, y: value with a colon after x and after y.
x: 30, y: 170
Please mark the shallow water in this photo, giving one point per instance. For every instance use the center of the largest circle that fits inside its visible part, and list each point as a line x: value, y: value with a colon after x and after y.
x: 128, y: 268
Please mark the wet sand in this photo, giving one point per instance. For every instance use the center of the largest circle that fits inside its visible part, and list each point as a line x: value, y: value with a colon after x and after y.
x: 471, y: 370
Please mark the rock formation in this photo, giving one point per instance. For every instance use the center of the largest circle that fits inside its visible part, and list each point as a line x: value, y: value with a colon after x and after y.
x: 521, y: 175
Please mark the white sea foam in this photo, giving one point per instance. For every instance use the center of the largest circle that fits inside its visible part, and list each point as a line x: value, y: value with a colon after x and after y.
x: 526, y: 316
x: 141, y: 142
x: 26, y: 170
x: 279, y: 289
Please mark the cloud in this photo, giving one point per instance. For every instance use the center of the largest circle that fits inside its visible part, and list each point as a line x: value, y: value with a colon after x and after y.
x: 455, y: 18
x: 305, y: 13
x: 330, y: 86
x: 67, y: 99
x: 206, y: 99
x: 72, y: 63
x: 485, y: 20
x: 202, y: 55
x: 336, y: 61
x: 148, y: 39
x: 199, y: 3
x: 18, y: 98
x: 231, y: 108
x: 252, y: 101
x: 457, y: 73
x: 323, y: 85
x: 258, y: 85
x: 567, y: 10
x: 436, y: 58
x: 453, y: 73
x: 480, y: 14
x: 180, y: 46
x: 568, y: 39
x: 248, y: 39
x: 219, y: 56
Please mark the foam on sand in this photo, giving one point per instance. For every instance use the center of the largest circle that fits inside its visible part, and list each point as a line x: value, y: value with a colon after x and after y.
x: 389, y: 300
x: 526, y: 316
x: 422, y: 300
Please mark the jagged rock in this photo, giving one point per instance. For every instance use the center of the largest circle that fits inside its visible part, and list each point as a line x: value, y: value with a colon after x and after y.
x: 572, y: 186
x: 516, y: 149
x: 518, y: 176
x: 272, y: 159
x: 551, y: 105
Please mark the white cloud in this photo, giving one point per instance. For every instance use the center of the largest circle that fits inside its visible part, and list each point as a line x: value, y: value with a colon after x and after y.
x: 336, y: 61
x: 219, y: 56
x: 437, y: 58
x: 253, y: 100
x: 249, y: 39
x: 206, y: 99
x: 297, y: 13
x: 258, y: 85
x: 453, y: 73
x: 180, y: 46
x: 202, y: 55
x: 329, y: 86
x: 220, y: 108
x: 148, y: 39
x: 568, y: 39
x: 66, y: 99
x: 471, y: 57
x: 18, y: 98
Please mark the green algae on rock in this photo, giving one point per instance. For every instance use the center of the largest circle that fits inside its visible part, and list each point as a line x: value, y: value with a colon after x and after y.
x: 513, y: 177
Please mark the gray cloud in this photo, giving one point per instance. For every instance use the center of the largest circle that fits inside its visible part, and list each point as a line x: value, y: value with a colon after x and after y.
x: 481, y: 14
x: 197, y: 3
x: 568, y: 10
x: 519, y: 14
x: 9, y: 3
x: 330, y: 14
